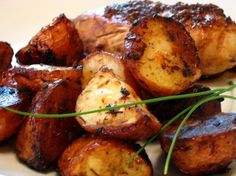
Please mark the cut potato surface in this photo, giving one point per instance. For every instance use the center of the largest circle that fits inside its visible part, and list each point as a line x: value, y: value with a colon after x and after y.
x: 162, y: 56
x: 96, y: 156
x: 105, y: 90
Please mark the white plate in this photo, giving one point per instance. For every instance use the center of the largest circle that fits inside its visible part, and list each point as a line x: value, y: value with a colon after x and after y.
x: 20, y: 20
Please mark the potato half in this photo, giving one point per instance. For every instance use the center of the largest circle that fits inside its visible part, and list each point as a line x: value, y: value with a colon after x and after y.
x: 105, y: 90
x: 42, y: 140
x: 206, y: 145
x: 95, y: 61
x: 96, y: 156
x: 56, y: 44
x: 36, y: 76
x: 10, y: 122
x: 162, y: 56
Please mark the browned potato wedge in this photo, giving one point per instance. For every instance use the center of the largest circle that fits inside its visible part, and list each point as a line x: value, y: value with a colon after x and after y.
x: 204, y: 146
x: 34, y: 77
x: 9, y: 121
x: 105, y: 89
x: 162, y: 56
x: 95, y: 61
x: 214, y: 33
x: 92, y: 156
x: 56, y: 44
x: 6, y: 54
x: 168, y: 109
x: 41, y: 140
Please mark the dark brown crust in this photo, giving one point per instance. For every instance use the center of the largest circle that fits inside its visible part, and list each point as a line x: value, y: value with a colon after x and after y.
x: 204, y: 146
x: 9, y: 121
x: 35, y: 77
x: 56, y: 44
x: 191, y: 16
x: 6, y: 54
x: 83, y: 146
x: 41, y: 140
x: 183, y: 46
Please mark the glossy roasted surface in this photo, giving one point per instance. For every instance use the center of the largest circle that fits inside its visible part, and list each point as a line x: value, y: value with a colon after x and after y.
x: 91, y: 155
x: 205, y: 145
x: 56, y: 44
x: 36, y: 76
x: 41, y: 140
x: 6, y: 54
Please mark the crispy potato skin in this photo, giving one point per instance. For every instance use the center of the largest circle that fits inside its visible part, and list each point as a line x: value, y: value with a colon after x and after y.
x: 56, y: 44
x: 41, y: 140
x: 214, y: 33
x: 162, y: 56
x: 6, y: 54
x: 100, y: 156
x: 162, y: 109
x: 205, y: 146
x: 92, y: 63
x: 9, y: 121
x: 131, y: 123
x: 34, y: 77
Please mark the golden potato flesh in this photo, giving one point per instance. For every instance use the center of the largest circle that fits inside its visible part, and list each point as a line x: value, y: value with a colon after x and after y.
x: 6, y: 54
x: 36, y: 76
x: 162, y: 56
x: 105, y: 90
x: 95, y: 61
x: 56, y: 44
x: 93, y: 156
x: 42, y: 140
x: 9, y: 121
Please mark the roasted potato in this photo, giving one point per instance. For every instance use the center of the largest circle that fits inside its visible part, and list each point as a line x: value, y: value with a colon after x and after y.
x: 9, y: 121
x: 95, y: 61
x: 42, y: 140
x: 6, y: 54
x: 214, y: 33
x: 102, y: 35
x: 92, y: 156
x: 34, y: 77
x: 56, y: 44
x: 162, y: 56
x: 163, y: 112
x: 104, y: 90
x: 204, y: 146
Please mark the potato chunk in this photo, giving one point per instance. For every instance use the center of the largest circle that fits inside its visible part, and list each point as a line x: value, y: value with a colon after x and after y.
x: 95, y: 61
x: 56, y: 44
x: 34, y: 77
x: 92, y: 156
x: 41, y: 140
x: 9, y: 121
x: 105, y: 89
x: 6, y: 54
x: 162, y: 56
x: 205, y: 145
